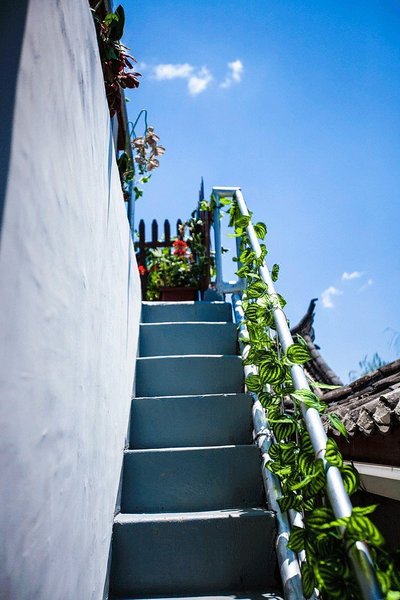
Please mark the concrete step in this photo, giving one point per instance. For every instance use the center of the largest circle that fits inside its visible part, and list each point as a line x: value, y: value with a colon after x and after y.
x: 193, y: 553
x: 166, y: 339
x: 161, y: 312
x: 188, y: 375
x: 191, y: 479
x: 182, y: 421
x: 232, y: 596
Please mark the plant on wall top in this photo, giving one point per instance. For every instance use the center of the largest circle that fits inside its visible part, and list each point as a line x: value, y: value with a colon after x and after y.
x: 117, y: 64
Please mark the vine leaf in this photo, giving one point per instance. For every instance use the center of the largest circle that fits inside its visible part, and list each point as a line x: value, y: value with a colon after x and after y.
x: 271, y: 372
x: 299, y: 354
x: 332, y: 453
x: 275, y: 272
x: 351, y: 478
x: 296, y: 539
x: 308, y: 398
x: 308, y: 579
x: 337, y: 424
x: 261, y: 230
x: 253, y: 383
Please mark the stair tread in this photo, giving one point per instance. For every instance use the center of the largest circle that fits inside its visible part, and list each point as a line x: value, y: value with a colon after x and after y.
x: 189, y: 374
x: 178, y: 323
x: 189, y: 396
x: 232, y: 596
x: 186, y: 311
x: 241, y: 513
x: 191, y: 421
x: 183, y: 448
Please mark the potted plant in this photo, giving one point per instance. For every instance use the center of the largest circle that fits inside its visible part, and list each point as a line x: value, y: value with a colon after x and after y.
x: 173, y: 274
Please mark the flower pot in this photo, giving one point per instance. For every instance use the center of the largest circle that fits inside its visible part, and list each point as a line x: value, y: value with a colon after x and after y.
x: 178, y: 294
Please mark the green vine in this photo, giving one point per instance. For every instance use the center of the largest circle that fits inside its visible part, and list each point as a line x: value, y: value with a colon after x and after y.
x: 302, y: 474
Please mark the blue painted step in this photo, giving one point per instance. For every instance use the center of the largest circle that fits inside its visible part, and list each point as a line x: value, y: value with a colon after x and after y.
x: 193, y: 553
x: 161, y: 312
x: 188, y: 375
x: 236, y: 596
x: 182, y: 421
x: 191, y: 479
x: 165, y: 339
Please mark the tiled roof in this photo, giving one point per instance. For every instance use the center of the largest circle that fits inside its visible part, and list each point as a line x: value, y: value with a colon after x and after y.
x: 317, y: 368
x: 370, y: 404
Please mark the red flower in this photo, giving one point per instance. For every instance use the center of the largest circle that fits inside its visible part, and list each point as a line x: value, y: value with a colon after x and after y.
x: 142, y: 270
x: 180, y: 247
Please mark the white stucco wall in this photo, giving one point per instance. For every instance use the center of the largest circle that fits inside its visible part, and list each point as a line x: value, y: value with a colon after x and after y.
x: 69, y: 312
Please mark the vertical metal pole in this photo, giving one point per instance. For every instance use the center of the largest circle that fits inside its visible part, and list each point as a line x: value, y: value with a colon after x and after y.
x: 131, y: 210
x: 218, y: 253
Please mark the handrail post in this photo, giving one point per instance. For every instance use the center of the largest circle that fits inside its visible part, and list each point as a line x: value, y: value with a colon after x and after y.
x: 218, y: 245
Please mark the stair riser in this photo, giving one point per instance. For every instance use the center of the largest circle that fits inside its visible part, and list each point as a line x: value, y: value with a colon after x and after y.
x: 186, y: 311
x: 191, y: 421
x: 187, y: 338
x: 193, y: 557
x: 191, y: 480
x: 184, y: 375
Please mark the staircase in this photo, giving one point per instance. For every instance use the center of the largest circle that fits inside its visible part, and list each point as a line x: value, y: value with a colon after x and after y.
x: 193, y: 521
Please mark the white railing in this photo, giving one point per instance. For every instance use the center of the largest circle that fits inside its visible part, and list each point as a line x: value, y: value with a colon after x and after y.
x: 338, y: 497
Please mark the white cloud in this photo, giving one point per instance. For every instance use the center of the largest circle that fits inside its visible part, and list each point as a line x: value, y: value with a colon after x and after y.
x: 199, y: 82
x: 327, y: 295
x: 235, y: 76
x: 366, y: 285
x: 170, y: 71
x: 353, y: 275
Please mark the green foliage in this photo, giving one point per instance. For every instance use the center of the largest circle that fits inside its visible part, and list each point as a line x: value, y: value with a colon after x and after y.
x: 301, y: 469
x: 182, y: 265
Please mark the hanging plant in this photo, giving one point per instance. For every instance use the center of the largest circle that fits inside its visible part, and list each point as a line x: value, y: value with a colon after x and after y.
x: 116, y: 63
x: 302, y: 474
x: 146, y: 151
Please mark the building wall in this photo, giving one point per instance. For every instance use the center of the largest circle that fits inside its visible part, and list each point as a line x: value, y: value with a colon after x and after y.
x: 69, y: 312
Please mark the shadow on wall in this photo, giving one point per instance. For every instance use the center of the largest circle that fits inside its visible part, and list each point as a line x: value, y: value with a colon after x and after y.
x: 12, y: 27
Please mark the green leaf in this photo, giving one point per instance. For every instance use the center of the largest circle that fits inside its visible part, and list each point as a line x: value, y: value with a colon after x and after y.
x: 287, y: 502
x: 319, y: 517
x: 256, y: 289
x: 271, y: 372
x: 322, y: 386
x: 308, y: 579
x: 117, y: 25
x: 261, y: 230
x: 243, y: 272
x: 365, y: 510
x: 298, y: 354
x: 253, y: 383
x: 308, y: 398
x: 332, y: 454
x: 266, y: 399
x: 275, y: 272
x: 361, y: 528
x: 283, y: 428
x: 296, y: 539
x: 247, y: 256
x: 351, y: 478
x: 337, y: 423
x: 225, y: 201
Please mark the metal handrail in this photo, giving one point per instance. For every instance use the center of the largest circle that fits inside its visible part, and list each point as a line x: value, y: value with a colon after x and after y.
x: 288, y: 562
x: 339, y: 499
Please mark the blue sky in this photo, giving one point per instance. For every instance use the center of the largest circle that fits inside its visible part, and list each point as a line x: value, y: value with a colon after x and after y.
x: 297, y: 102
